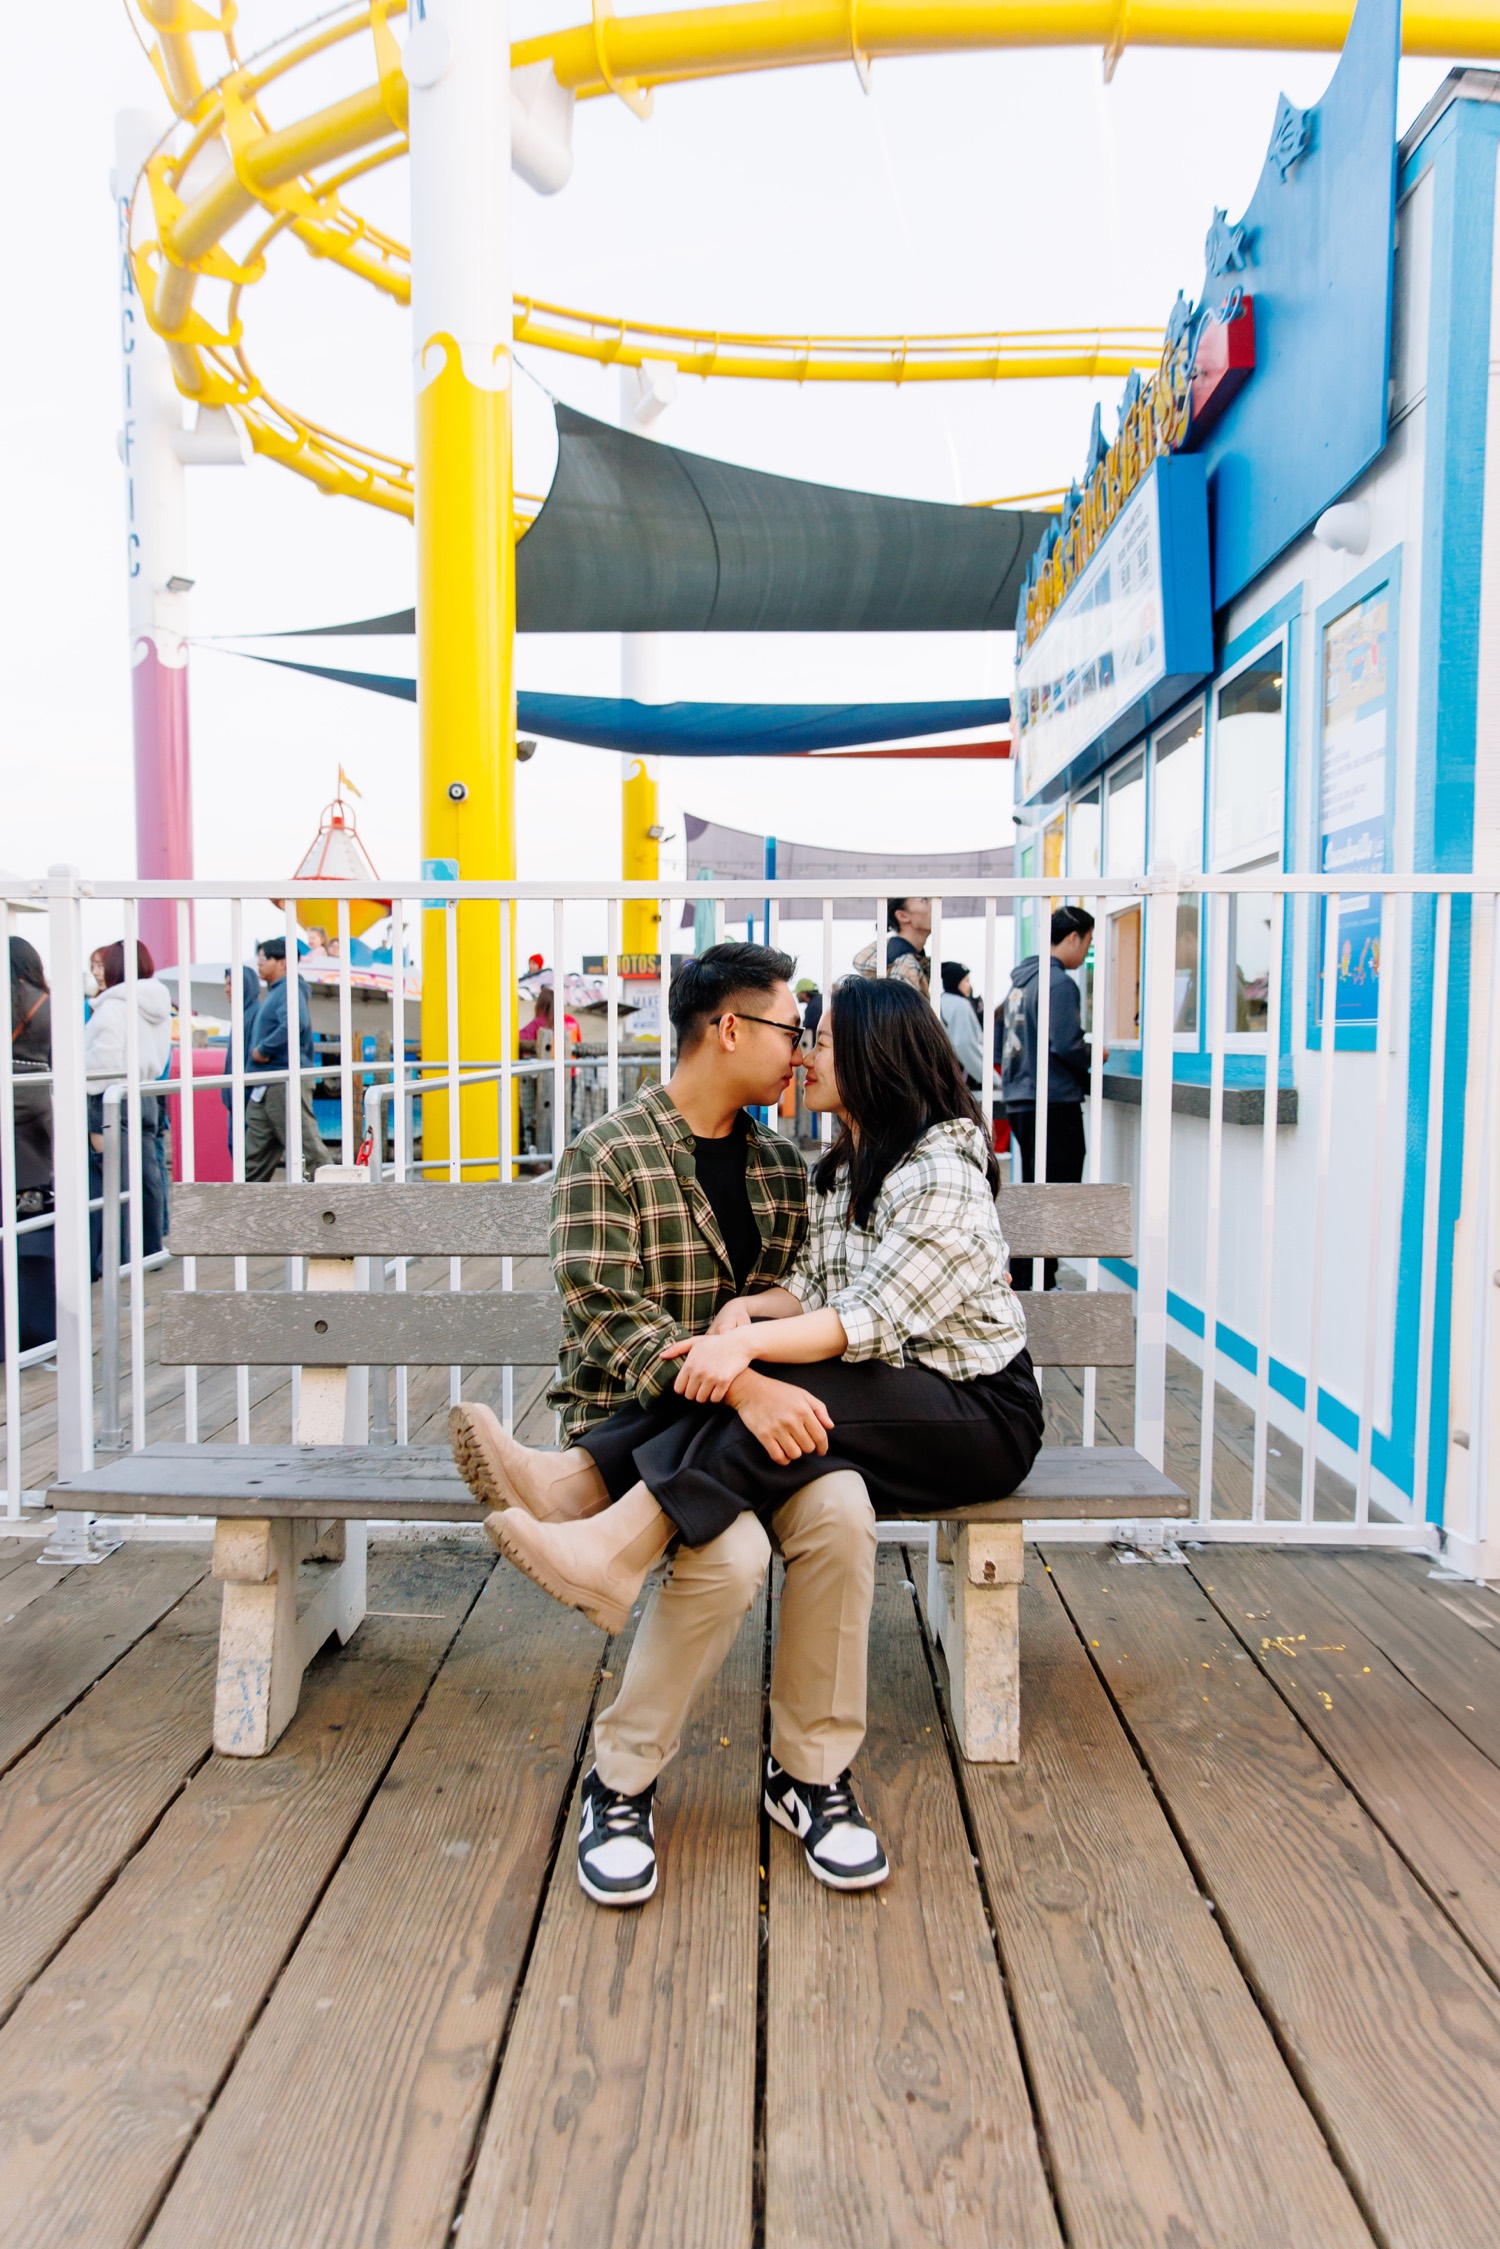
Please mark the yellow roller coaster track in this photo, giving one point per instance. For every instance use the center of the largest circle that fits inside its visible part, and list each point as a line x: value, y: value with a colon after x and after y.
x: 225, y: 159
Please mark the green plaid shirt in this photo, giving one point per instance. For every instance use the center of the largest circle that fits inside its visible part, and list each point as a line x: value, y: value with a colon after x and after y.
x: 638, y: 1256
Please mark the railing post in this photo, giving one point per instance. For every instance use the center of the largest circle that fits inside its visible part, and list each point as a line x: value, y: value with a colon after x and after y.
x: 72, y: 1540
x: 111, y: 1433
x: 1151, y: 1220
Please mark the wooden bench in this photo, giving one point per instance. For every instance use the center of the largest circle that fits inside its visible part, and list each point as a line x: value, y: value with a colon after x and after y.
x: 289, y: 1541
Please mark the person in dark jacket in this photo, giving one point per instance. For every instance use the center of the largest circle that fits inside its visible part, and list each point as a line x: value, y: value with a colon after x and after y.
x: 1070, y: 1059
x: 250, y: 986
x: 266, y: 1119
x: 31, y: 1059
x: 810, y: 1000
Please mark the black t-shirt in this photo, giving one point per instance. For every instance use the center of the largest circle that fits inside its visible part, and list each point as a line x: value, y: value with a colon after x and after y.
x: 721, y: 1175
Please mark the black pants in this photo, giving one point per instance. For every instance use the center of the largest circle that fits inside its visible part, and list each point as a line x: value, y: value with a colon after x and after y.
x: 1065, y: 1154
x: 36, y: 1291
x: 155, y: 1165
x: 920, y: 1442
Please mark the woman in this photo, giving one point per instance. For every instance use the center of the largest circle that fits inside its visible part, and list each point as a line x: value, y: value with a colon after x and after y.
x: 962, y: 1018
x: 106, y: 1057
x: 31, y: 1060
x: 897, y: 1318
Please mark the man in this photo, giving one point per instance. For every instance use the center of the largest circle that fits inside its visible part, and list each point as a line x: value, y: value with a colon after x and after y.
x: 265, y: 1108
x: 663, y: 1212
x: 250, y: 993
x: 1068, y: 1072
x: 810, y: 1000
x: 909, y: 921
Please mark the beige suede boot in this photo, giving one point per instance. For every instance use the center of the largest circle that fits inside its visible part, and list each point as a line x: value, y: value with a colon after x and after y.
x: 599, y: 1566
x: 555, y: 1487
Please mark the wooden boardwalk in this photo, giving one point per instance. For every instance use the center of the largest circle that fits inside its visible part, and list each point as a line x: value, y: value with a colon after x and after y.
x: 1217, y: 1966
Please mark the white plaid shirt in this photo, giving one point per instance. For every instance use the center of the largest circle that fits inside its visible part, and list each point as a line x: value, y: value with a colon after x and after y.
x: 925, y: 1281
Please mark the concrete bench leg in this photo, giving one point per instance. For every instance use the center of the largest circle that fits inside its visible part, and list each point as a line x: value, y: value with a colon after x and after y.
x: 972, y: 1603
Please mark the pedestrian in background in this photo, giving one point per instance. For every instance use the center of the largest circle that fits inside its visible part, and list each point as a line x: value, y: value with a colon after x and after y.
x: 250, y: 987
x: 266, y: 1109
x: 1070, y: 1061
x: 30, y: 1060
x: 909, y: 922
x: 811, y: 1001
x: 106, y: 1059
x: 962, y: 1015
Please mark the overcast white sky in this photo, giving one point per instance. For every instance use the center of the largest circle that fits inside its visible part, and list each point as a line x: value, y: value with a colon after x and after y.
x: 1013, y: 190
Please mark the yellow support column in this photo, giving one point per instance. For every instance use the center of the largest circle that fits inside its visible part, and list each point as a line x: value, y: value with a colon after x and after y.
x: 456, y: 60
x: 466, y: 615
x: 640, y: 830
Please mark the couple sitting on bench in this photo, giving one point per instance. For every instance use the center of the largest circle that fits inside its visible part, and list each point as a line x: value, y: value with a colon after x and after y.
x: 747, y: 1362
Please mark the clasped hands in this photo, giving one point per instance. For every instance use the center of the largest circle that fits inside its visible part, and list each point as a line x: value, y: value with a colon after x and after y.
x: 717, y: 1370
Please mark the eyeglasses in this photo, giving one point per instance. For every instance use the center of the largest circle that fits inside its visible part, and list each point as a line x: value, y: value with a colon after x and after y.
x: 792, y: 1030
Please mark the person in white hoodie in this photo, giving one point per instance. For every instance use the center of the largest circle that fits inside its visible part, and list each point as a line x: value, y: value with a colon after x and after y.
x: 106, y: 1058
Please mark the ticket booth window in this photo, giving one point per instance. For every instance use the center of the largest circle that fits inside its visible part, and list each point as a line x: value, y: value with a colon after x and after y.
x: 1085, y: 865
x: 1247, y: 821
x: 1177, y: 840
x: 1124, y: 854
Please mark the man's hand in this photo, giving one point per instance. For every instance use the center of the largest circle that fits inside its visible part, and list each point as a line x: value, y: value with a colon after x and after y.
x: 711, y: 1363
x: 788, y: 1421
x: 736, y: 1314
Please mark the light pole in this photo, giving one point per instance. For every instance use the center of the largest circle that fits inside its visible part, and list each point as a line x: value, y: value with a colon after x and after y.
x: 645, y: 393
x: 457, y: 63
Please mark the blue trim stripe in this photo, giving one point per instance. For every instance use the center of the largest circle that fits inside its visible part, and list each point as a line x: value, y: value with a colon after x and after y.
x: 1461, y: 153
x: 1339, y: 1419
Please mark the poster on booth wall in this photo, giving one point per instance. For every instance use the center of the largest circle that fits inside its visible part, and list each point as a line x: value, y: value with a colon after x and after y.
x: 1354, y: 799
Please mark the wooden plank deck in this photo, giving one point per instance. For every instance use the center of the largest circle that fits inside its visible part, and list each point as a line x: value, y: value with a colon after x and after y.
x: 1214, y: 1967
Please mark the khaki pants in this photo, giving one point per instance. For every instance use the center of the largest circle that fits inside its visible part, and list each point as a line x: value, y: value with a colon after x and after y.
x: 826, y: 1535
x: 265, y: 1135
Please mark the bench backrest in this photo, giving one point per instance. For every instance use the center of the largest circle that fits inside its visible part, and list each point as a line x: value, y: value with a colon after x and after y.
x: 384, y: 1219
x: 523, y: 1327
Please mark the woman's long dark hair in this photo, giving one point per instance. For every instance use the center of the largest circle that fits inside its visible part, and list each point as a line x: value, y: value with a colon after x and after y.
x: 898, y: 1076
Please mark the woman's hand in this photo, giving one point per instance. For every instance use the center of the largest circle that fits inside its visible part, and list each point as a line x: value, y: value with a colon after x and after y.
x: 789, y: 1422
x: 736, y: 1314
x: 711, y: 1363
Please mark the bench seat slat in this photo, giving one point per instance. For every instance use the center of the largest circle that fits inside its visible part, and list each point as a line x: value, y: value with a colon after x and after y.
x: 410, y: 1483
x: 391, y: 1219
x: 1072, y: 1328
x: 1040, y: 1220
x: 421, y: 1328
x: 448, y: 1219
x: 419, y: 1483
x: 520, y: 1327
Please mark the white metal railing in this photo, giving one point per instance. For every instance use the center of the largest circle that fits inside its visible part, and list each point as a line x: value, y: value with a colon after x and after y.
x: 1330, y: 1282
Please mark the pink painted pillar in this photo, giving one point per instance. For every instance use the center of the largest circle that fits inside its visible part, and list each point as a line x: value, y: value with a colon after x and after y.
x: 163, y: 784
x: 155, y: 552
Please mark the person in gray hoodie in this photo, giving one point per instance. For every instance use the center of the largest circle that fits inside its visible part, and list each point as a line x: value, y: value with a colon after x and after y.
x: 1070, y: 1058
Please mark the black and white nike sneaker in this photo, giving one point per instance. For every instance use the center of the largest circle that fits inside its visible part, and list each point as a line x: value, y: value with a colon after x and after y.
x: 616, y: 1844
x: 838, y: 1842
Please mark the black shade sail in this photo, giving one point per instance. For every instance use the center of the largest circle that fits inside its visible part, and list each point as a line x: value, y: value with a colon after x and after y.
x: 637, y: 537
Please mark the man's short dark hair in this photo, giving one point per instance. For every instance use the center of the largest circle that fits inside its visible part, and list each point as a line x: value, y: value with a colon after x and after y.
x: 1071, y: 921
x: 272, y: 948
x: 892, y: 906
x: 704, y: 988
